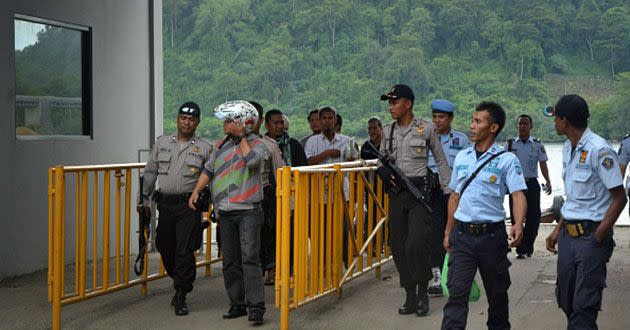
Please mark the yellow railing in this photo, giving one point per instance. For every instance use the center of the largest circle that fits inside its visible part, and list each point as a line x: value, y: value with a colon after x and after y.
x: 88, y: 195
x: 315, y: 204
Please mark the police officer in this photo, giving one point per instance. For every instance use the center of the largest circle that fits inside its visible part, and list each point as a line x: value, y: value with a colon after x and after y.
x: 624, y: 159
x: 475, y: 234
x: 452, y: 143
x: 407, y: 141
x: 235, y: 167
x: 530, y: 152
x: 595, y: 198
x: 176, y: 161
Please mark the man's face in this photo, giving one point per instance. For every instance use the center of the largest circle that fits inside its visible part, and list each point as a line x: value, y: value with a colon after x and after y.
x: 524, y: 126
x: 561, y: 125
x: 313, y: 122
x: 327, y: 121
x: 374, y: 131
x: 275, y: 126
x: 480, y: 127
x: 187, y: 124
x: 399, y: 107
x: 442, y: 121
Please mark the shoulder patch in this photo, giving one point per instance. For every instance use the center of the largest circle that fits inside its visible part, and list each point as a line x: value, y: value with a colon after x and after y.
x: 536, y: 139
x: 625, y: 137
x: 608, y: 163
x: 605, y: 152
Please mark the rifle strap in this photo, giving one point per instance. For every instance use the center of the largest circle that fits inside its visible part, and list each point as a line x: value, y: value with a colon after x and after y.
x: 474, y: 175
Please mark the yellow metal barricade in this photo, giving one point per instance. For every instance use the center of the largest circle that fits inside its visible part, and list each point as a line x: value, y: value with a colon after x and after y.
x: 99, y: 181
x: 317, y: 206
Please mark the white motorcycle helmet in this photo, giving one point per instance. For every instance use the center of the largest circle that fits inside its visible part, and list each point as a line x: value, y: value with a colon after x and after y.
x: 238, y: 111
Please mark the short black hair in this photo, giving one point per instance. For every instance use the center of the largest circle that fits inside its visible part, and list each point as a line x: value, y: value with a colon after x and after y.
x: 376, y: 120
x: 271, y: 113
x: 312, y: 112
x: 531, y: 121
x: 328, y: 109
x: 496, y: 112
x: 575, y: 109
x: 339, y: 121
x: 258, y: 107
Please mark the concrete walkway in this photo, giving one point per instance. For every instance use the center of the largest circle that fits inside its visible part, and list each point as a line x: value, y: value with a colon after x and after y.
x: 367, y: 303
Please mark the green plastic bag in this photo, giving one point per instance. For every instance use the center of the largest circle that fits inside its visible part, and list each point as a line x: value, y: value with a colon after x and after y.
x: 475, y: 292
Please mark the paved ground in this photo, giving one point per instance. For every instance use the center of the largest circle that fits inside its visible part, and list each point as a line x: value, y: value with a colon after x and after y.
x: 367, y: 303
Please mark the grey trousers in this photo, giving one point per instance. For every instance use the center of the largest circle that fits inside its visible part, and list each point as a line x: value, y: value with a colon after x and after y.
x: 240, y: 241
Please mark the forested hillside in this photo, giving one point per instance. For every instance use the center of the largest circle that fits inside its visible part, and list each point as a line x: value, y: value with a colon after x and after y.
x: 298, y: 55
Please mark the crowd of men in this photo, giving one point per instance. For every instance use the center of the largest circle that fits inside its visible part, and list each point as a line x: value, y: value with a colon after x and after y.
x: 462, y: 181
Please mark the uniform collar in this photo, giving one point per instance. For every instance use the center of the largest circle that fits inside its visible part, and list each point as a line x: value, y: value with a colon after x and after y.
x: 586, y: 136
x: 336, y: 137
x: 494, y: 149
x: 529, y: 139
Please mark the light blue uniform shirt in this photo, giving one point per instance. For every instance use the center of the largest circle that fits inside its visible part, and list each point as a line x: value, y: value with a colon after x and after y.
x: 483, y: 199
x: 529, y: 153
x: 452, y: 144
x: 588, y: 172
x: 624, y: 156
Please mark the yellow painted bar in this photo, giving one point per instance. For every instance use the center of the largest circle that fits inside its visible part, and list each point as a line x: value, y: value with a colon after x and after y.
x: 286, y: 213
x: 95, y: 232
x: 106, y: 211
x: 118, y: 219
x: 321, y: 220
x: 83, y: 248
x: 208, y: 255
x: 351, y: 204
x: 51, y: 203
x: 379, y: 236
x: 127, y: 225
x: 297, y: 247
x: 62, y: 191
x: 370, y: 222
x: 304, y: 234
x: 77, y: 231
x: 328, y: 231
x: 57, y: 249
x: 360, y: 220
x: 279, y: 264
x: 386, y: 207
x: 314, y: 207
x: 337, y: 247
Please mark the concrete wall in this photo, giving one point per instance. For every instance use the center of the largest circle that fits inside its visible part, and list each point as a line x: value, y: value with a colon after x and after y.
x: 126, y: 72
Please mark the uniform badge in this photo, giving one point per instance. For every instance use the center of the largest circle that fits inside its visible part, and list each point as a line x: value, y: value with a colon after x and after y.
x: 608, y: 163
x: 196, y: 149
x: 493, y: 178
x: 193, y: 170
x: 456, y: 141
x: 518, y: 169
x: 583, y: 155
x: 420, y: 129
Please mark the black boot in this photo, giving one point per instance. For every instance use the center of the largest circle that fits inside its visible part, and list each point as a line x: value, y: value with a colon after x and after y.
x: 423, y: 300
x: 410, y: 302
x: 179, y: 301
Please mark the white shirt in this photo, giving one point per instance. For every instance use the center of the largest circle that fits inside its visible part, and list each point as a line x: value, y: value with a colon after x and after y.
x: 320, y: 143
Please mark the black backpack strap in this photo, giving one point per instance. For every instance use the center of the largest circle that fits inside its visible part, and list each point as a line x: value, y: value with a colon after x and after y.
x: 391, y: 136
x: 509, y: 144
x: 474, y: 175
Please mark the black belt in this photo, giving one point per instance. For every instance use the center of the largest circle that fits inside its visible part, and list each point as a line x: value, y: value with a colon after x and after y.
x: 531, y: 179
x: 420, y: 181
x: 580, y: 228
x: 159, y: 197
x: 480, y: 228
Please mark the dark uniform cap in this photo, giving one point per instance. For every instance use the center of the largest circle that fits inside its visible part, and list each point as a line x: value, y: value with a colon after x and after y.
x: 190, y: 108
x: 398, y: 91
x: 571, y: 106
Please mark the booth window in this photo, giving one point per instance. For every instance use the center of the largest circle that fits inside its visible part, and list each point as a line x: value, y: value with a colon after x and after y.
x: 53, y: 80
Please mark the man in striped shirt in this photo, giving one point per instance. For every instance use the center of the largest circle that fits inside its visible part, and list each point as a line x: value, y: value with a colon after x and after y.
x: 235, y: 170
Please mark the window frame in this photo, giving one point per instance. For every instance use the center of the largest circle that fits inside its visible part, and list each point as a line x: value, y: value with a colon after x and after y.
x: 87, y: 121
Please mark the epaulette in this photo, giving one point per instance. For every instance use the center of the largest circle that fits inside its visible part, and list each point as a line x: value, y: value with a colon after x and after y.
x: 625, y: 137
x: 536, y: 140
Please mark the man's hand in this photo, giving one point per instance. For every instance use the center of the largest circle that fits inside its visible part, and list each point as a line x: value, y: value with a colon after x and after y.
x: 193, y: 199
x: 446, y: 243
x: 234, y: 128
x: 600, y: 234
x: 548, y: 188
x: 516, y: 235
x: 333, y: 153
x: 552, y: 239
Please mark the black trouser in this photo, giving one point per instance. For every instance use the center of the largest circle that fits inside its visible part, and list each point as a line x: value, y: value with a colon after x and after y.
x: 440, y: 212
x: 179, y: 235
x: 488, y: 253
x: 532, y: 217
x: 409, y: 229
x: 268, y: 230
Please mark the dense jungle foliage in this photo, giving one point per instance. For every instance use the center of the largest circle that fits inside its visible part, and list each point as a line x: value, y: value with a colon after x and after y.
x: 298, y: 55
